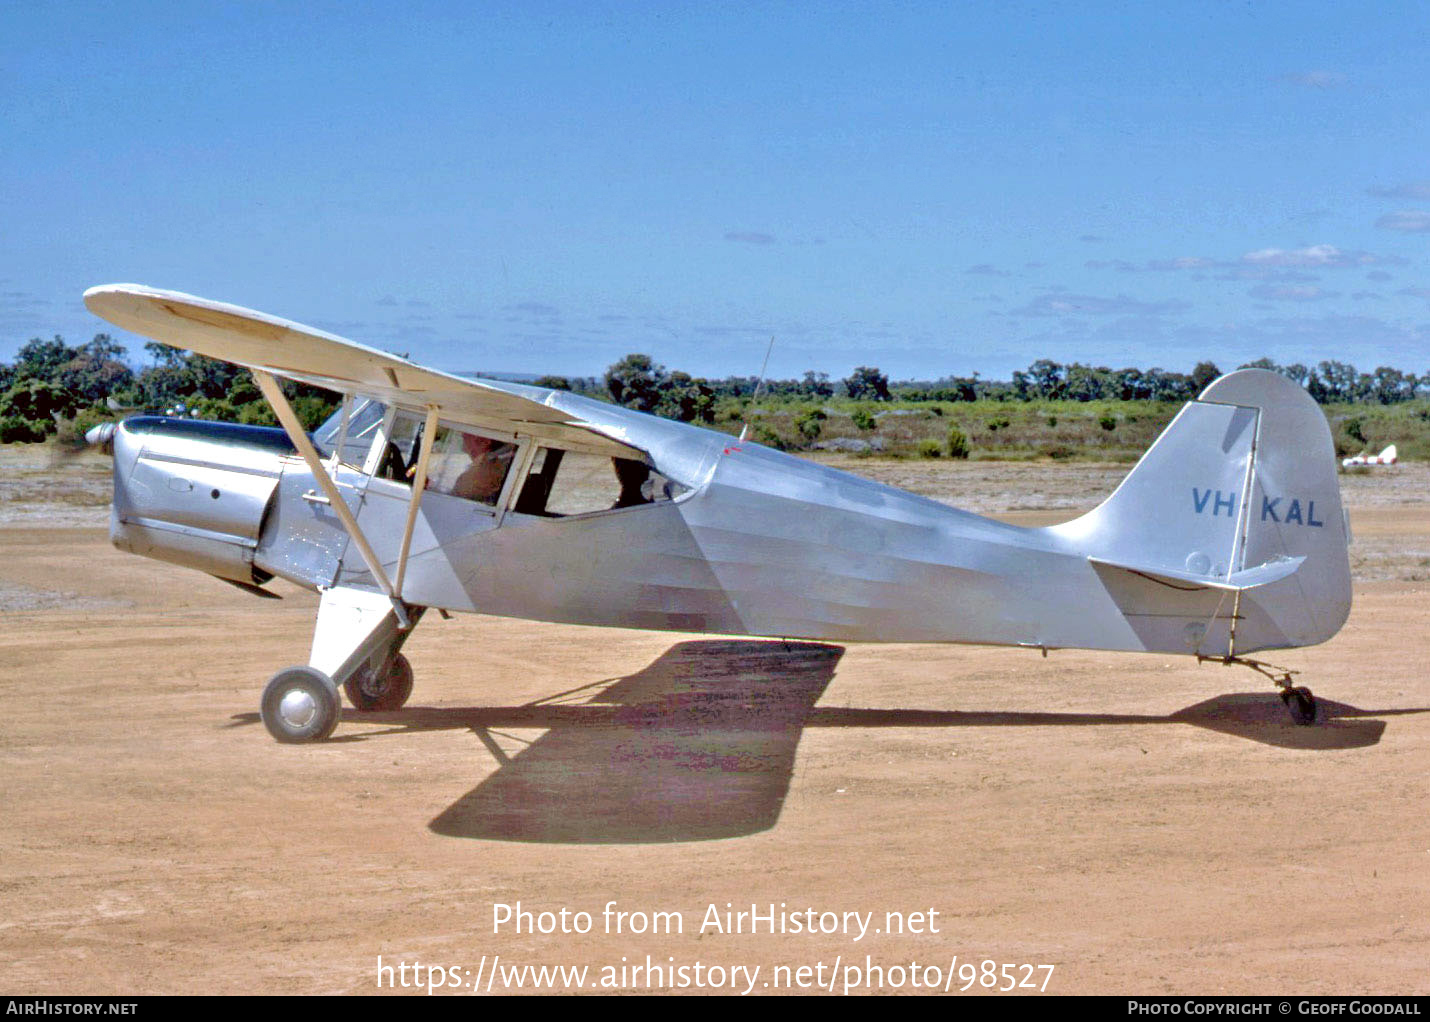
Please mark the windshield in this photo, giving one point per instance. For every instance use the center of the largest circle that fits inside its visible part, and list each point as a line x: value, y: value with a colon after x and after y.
x: 364, y: 418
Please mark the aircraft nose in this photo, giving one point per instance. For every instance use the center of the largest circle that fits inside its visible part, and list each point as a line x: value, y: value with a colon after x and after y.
x: 101, y: 436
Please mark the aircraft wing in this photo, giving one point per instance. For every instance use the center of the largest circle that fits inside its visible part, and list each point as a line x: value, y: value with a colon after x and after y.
x: 308, y: 355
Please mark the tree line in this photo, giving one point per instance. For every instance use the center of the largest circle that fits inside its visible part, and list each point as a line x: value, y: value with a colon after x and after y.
x: 52, y: 385
x: 637, y: 381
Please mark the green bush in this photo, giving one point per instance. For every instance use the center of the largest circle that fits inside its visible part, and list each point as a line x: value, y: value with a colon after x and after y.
x: 957, y: 442
x: 72, y: 431
x: 15, y: 430
x: 864, y: 419
x: 810, y: 423
x: 1108, y: 422
x: 215, y: 409
x: 257, y: 413
x: 930, y: 449
x: 762, y: 434
x: 38, y: 401
x: 312, y: 412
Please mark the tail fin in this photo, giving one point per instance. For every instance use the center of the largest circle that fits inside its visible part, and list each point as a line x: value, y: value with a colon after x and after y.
x: 1238, y: 494
x: 1389, y: 456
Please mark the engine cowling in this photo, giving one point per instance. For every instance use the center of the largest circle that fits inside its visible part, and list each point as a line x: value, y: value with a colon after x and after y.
x: 194, y: 493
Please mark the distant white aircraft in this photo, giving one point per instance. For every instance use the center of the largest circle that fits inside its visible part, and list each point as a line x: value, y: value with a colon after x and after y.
x: 1389, y: 456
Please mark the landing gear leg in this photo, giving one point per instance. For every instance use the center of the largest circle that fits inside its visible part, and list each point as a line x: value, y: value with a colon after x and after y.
x: 1298, y: 699
x: 356, y: 644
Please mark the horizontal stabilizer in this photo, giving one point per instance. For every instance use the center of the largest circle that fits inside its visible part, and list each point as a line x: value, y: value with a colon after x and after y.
x: 1262, y: 574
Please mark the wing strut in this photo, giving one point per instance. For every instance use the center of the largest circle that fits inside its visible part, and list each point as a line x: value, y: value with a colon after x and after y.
x: 419, y: 484
x: 289, y: 420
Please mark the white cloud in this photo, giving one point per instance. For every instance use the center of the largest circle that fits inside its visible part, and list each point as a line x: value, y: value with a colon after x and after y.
x: 751, y: 237
x: 1409, y: 190
x: 1181, y: 263
x: 1412, y: 220
x: 1317, y: 79
x: 1291, y: 293
x: 1063, y: 304
x: 1315, y: 255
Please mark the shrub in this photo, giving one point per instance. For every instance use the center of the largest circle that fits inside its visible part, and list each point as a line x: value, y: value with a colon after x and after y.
x: 37, y: 401
x: 863, y: 419
x: 930, y: 449
x: 312, y: 412
x: 810, y: 423
x: 15, y: 430
x: 72, y: 432
x: 762, y: 434
x: 257, y: 413
x: 215, y: 409
x: 1108, y: 422
x: 957, y: 442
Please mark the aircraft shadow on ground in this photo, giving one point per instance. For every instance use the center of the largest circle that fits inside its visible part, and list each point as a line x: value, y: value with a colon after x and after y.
x: 698, y: 745
x: 701, y: 743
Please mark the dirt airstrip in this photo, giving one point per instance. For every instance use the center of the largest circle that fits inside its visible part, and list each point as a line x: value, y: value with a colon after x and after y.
x: 1140, y: 823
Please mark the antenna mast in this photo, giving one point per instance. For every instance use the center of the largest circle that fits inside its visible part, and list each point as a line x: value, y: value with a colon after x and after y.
x: 745, y: 429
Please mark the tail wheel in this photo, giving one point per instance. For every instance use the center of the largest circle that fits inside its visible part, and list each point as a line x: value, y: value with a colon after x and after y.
x: 1301, y: 703
x: 371, y: 691
x: 300, y: 704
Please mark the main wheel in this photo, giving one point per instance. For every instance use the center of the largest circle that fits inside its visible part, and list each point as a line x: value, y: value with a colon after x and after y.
x: 1301, y: 703
x: 370, y: 691
x: 300, y: 704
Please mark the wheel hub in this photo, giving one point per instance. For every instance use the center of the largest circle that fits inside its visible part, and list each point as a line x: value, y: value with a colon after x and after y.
x: 372, y: 683
x: 297, y: 708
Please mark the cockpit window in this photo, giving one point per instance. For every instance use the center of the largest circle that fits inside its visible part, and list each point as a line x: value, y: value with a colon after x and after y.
x: 364, y: 418
x: 463, y: 463
x: 469, y: 466
x: 563, y: 483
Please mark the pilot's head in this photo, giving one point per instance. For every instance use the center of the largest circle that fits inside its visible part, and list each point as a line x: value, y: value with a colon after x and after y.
x: 476, y: 446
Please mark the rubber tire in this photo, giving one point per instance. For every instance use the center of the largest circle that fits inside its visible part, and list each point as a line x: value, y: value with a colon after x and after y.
x: 325, y: 697
x: 393, y: 688
x: 1301, y: 704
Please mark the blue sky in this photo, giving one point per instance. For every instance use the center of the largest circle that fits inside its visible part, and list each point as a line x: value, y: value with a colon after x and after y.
x: 935, y: 189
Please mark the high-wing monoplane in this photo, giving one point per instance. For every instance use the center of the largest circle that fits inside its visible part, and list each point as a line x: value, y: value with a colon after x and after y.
x: 1389, y: 456
x: 433, y: 491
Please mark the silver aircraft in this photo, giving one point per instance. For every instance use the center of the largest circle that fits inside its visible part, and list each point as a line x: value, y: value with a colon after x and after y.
x: 428, y: 490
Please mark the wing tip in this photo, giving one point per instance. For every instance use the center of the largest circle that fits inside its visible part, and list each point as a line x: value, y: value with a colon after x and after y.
x: 103, y: 296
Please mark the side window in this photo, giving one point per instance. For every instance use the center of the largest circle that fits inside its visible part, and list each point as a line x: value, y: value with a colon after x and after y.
x: 364, y: 419
x: 562, y: 483
x: 399, y: 451
x: 469, y: 466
